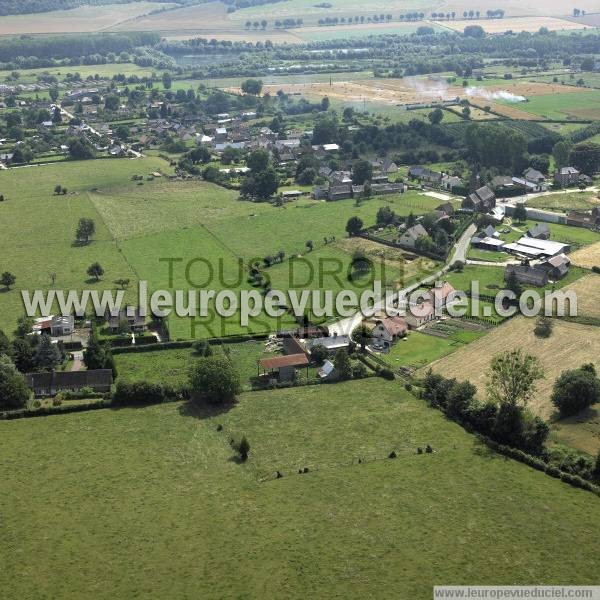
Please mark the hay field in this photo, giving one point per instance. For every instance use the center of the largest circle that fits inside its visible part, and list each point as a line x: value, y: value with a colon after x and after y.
x: 587, y: 257
x: 569, y: 346
x: 515, y: 24
x: 77, y: 20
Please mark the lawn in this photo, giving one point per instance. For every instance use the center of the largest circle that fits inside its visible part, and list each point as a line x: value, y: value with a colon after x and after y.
x: 171, y: 366
x: 155, y: 496
x: 487, y: 255
x: 420, y: 349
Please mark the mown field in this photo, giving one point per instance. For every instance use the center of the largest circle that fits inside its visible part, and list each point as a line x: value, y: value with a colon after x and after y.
x: 565, y: 202
x: 155, y: 496
x: 583, y: 105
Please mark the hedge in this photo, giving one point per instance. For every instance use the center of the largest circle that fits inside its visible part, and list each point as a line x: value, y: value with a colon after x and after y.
x: 55, y: 410
x: 142, y: 392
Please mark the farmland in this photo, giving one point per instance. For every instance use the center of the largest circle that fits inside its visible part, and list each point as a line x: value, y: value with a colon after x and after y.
x: 587, y: 257
x: 162, y: 478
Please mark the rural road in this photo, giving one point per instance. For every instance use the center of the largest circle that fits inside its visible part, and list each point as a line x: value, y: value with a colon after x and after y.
x: 347, y: 325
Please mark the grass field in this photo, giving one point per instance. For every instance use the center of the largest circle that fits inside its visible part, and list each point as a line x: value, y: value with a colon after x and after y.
x: 171, y: 366
x: 583, y: 105
x: 154, y: 495
x: 565, y: 202
x: 587, y: 257
x: 40, y: 246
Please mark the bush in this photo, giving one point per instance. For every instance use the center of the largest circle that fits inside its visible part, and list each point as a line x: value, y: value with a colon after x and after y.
x: 359, y: 371
x: 596, y: 269
x: 387, y: 374
x: 142, y: 392
x: 543, y: 328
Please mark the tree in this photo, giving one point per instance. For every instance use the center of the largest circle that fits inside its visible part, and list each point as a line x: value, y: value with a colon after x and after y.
x: 576, y: 390
x: 385, y: 216
x: 361, y: 335
x: 354, y: 225
x: 85, y: 230
x: 362, y: 171
x: 214, y: 379
x: 56, y: 116
x: 14, y: 392
x: 111, y: 103
x: 167, y: 80
x: 252, y: 86
x: 80, y: 150
x: 512, y: 377
x: 436, y: 116
x: 258, y: 161
x: 98, y: 355
x: 95, y: 270
x: 475, y: 31
x: 122, y: 283
x: 520, y: 214
x: 560, y: 152
x: 47, y: 355
x: 7, y: 279
x: 309, y: 245
x: 512, y: 284
x: 543, y: 328
x: 586, y: 157
x: 318, y: 354
x: 342, y: 364
x: 243, y: 448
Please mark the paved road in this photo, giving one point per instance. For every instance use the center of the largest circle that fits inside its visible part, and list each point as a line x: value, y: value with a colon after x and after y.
x: 347, y: 325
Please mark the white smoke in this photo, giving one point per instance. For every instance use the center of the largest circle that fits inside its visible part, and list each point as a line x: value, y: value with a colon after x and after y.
x: 430, y: 88
x: 479, y: 92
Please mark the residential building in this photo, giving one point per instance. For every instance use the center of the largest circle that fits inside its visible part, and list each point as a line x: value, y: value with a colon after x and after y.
x: 566, y: 176
x: 481, y: 200
x: 50, y: 383
x: 389, y: 330
x: 411, y: 235
x: 540, y: 231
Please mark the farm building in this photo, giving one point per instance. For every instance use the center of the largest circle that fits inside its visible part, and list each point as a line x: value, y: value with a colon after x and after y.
x: 56, y: 326
x: 332, y: 344
x: 584, y: 219
x: 284, y: 367
x: 557, y: 267
x: 481, y: 200
x: 420, y: 314
x: 534, y: 248
x: 487, y: 243
x: 540, y: 231
x: 527, y: 275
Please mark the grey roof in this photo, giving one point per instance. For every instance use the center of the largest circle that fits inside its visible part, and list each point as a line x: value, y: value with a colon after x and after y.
x: 539, y: 229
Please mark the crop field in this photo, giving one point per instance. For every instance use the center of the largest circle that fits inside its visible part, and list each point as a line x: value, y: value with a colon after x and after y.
x: 318, y: 34
x: 569, y: 346
x: 77, y: 20
x: 174, y: 513
x: 587, y: 257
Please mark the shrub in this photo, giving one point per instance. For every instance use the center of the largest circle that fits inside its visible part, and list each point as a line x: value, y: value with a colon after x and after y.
x: 596, y: 269
x: 138, y: 392
x: 543, y: 328
x: 359, y: 371
x: 387, y: 374
x: 576, y: 390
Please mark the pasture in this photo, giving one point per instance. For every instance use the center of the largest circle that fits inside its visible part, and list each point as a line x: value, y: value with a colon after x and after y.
x: 40, y: 246
x: 565, y: 202
x: 174, y: 513
x: 583, y: 105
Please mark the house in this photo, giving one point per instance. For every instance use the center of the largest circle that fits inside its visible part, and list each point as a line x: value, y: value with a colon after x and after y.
x: 449, y: 182
x: 527, y: 275
x: 591, y: 219
x: 540, y: 231
x: 389, y: 330
x: 379, y: 189
x: 220, y: 134
x: 291, y: 194
x: 487, y: 243
x: 566, y: 176
x: 439, y: 295
x: 446, y: 208
x: 557, y: 267
x: 49, y: 384
x: 491, y: 232
x: 132, y: 316
x: 481, y: 200
x: 411, y: 235
x: 534, y: 176
x: 389, y: 166
x: 419, y: 314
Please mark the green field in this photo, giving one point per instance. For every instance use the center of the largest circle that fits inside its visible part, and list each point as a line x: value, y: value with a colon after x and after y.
x: 583, y: 105
x: 155, y: 497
